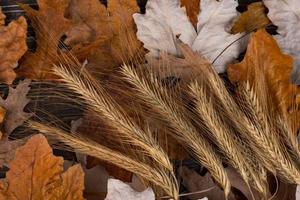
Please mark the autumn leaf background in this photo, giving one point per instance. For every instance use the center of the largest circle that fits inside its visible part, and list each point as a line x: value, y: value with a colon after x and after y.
x: 170, y: 99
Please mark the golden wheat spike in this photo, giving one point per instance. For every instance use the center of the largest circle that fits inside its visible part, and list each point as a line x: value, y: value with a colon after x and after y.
x: 221, y: 133
x: 230, y: 109
x: 154, y: 95
x: 157, y: 175
x: 268, y: 145
x: 103, y: 106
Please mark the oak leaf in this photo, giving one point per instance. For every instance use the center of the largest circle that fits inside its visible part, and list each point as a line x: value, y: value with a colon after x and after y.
x: 12, y: 116
x: 12, y: 46
x: 254, y: 18
x: 36, y: 174
x: 264, y: 53
x: 159, y: 27
x: 14, y: 105
x: 50, y: 25
x: 192, y: 10
x: 285, y: 15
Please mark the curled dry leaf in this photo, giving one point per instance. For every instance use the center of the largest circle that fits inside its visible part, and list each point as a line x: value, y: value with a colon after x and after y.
x: 254, y: 18
x: 50, y: 25
x: 117, y: 190
x: 159, y: 27
x: 285, y: 15
x: 263, y: 53
x: 36, y: 174
x: 14, y: 105
x: 192, y: 10
x: 12, y: 46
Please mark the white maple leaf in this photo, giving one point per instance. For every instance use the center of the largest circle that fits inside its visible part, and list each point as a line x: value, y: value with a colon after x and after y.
x: 286, y: 15
x: 164, y: 20
x: 214, y: 35
x: 117, y: 190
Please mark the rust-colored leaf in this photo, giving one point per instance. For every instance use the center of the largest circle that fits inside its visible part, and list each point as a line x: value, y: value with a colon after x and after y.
x: 192, y: 9
x: 254, y: 18
x: 36, y: 174
x: 12, y: 46
x: 264, y: 54
x: 50, y: 25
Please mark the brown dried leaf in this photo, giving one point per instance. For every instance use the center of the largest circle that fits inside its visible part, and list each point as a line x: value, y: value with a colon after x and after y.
x: 192, y: 9
x: 195, y: 183
x: 14, y: 105
x: 264, y: 54
x: 36, y: 174
x: 50, y: 25
x: 109, y: 34
x: 88, y: 18
x: 12, y: 46
x: 254, y: 18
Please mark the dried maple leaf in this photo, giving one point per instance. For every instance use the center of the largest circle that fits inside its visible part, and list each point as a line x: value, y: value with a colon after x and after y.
x: 14, y: 105
x: 12, y: 46
x: 192, y: 10
x: 105, y: 36
x: 254, y: 18
x: 36, y: 174
x: 50, y: 25
x: 285, y: 14
x: 159, y: 27
x: 263, y: 53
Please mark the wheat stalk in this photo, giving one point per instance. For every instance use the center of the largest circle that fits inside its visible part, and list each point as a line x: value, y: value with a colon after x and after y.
x: 154, y: 95
x: 229, y: 108
x: 268, y: 146
x: 224, y: 138
x: 102, y: 105
x: 157, y: 175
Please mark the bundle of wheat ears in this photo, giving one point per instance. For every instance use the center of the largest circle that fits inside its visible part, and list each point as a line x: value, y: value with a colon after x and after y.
x: 150, y: 90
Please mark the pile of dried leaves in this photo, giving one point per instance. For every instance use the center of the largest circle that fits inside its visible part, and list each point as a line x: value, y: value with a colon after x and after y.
x: 191, y: 99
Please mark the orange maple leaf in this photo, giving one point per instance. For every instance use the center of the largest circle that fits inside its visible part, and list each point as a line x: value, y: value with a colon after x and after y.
x: 36, y: 174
